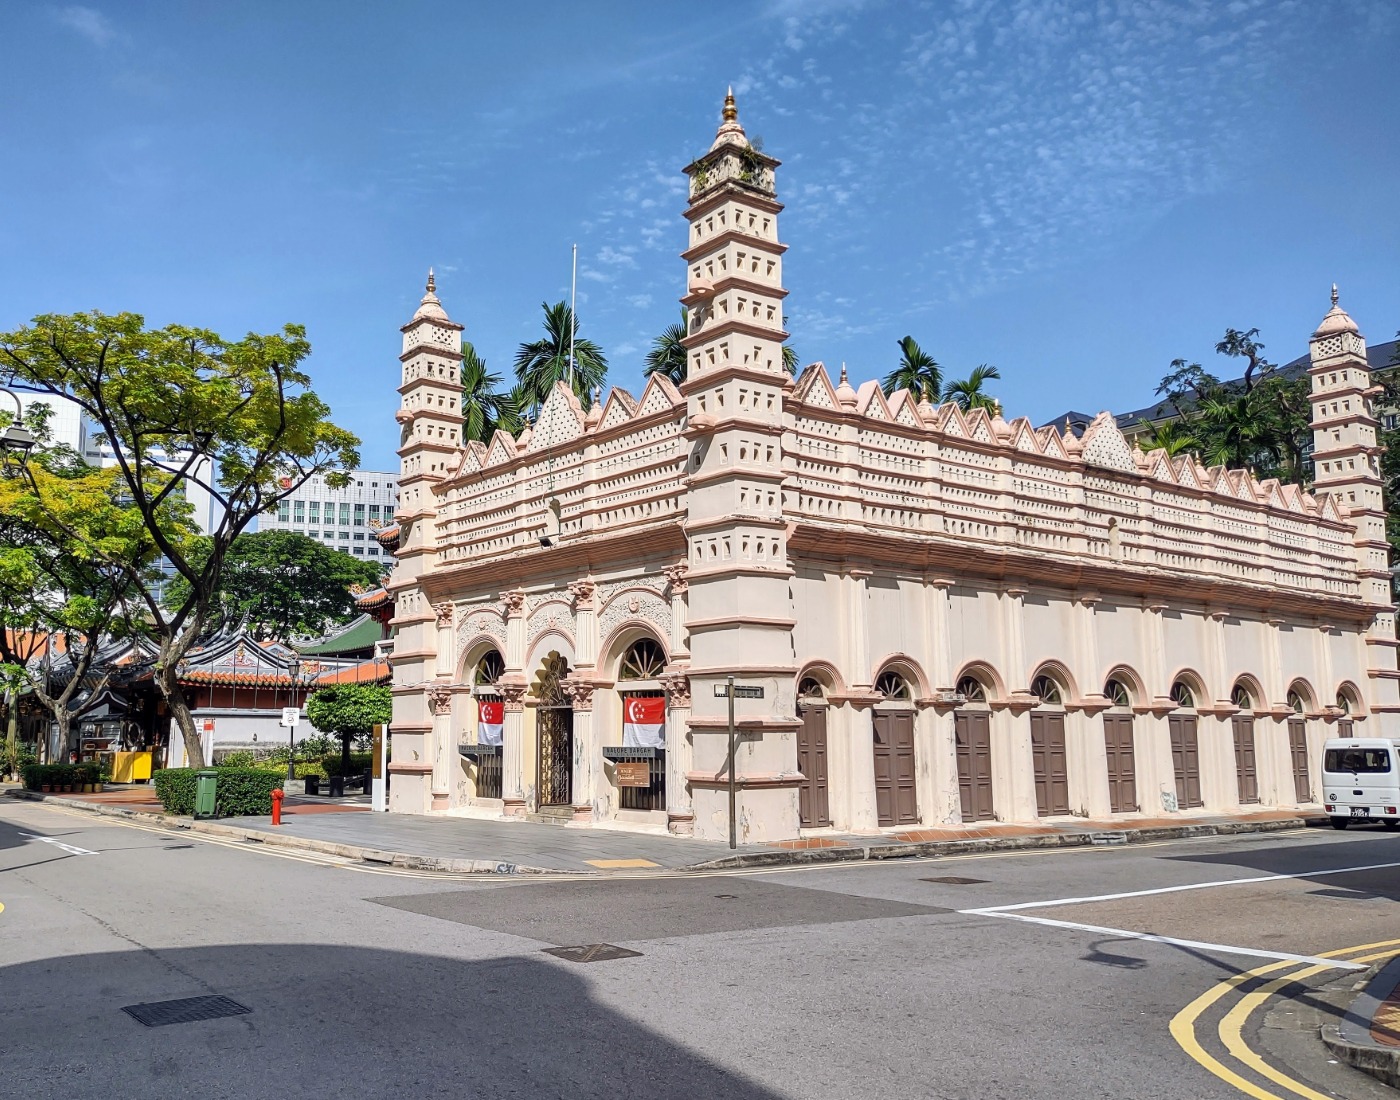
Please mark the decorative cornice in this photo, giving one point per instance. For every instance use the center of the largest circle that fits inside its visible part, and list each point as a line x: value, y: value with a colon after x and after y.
x: 514, y: 602
x: 580, y: 693
x: 676, y: 577
x: 583, y: 594
x: 444, y: 612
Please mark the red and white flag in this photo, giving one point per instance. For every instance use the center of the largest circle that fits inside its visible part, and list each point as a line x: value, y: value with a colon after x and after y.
x: 490, y: 721
x: 644, y: 721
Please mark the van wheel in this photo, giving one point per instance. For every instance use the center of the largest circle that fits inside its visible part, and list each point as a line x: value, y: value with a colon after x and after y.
x: 1392, y: 825
x: 1340, y: 823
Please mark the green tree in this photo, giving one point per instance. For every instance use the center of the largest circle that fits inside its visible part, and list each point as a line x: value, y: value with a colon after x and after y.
x: 918, y: 372
x: 282, y: 584
x: 349, y: 710
x: 668, y: 354
x: 1243, y: 345
x: 180, y: 407
x: 539, y: 365
x: 484, y: 406
x: 968, y: 394
x: 1171, y: 436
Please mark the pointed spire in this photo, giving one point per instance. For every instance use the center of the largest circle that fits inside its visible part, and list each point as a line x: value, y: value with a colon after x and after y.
x: 429, y: 306
x: 844, y: 393
x: 1334, y: 294
x: 595, y: 410
x: 731, y: 109
x: 432, y: 284
x: 1337, y: 319
x: 730, y: 132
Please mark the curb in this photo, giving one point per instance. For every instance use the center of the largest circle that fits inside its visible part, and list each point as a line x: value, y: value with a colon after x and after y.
x: 1350, y: 1038
x: 857, y: 853
x: 1382, y: 1063
x: 299, y: 843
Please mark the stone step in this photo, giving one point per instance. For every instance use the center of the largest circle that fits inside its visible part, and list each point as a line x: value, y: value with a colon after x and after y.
x: 552, y: 815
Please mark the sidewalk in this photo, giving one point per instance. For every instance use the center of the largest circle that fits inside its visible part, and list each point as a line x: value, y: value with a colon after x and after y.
x: 345, y: 827
x: 1369, y: 1035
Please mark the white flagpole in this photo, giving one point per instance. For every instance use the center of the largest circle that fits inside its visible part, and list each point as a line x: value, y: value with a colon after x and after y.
x: 573, y: 317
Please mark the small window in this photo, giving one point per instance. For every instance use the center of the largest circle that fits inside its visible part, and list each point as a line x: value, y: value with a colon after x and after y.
x: 1181, y: 695
x: 644, y: 660
x: 1343, y: 703
x: 1356, y: 760
x: 893, y: 686
x: 1241, y: 698
x: 489, y: 669
x: 1117, y: 693
x: 1295, y: 703
x: 971, y: 689
x: 810, y: 688
x: 1047, y: 690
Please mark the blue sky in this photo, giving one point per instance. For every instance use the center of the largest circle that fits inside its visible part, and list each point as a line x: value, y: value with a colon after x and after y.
x: 1075, y: 192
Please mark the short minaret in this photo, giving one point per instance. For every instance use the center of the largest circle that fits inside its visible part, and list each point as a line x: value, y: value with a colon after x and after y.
x: 1346, y: 462
x: 430, y: 425
x: 738, y: 571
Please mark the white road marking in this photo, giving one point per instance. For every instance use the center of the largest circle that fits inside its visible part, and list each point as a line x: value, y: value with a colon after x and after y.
x: 1172, y: 941
x: 71, y: 849
x: 1000, y: 910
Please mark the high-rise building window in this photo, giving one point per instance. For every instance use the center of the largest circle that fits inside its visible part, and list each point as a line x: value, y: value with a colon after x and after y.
x: 359, y: 515
x: 299, y: 510
x: 373, y: 513
x: 360, y: 550
x: 284, y: 511
x: 345, y: 515
x: 314, y: 511
x: 374, y: 551
x: 359, y: 536
x: 330, y: 512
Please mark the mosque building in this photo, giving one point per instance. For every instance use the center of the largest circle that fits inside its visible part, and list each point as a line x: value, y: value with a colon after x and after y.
x: 936, y: 617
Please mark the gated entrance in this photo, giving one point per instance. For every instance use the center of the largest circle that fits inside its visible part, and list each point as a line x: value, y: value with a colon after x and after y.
x: 813, y: 802
x: 895, y: 800
x: 554, y: 729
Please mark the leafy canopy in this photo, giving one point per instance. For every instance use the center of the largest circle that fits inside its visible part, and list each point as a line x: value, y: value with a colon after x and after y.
x: 917, y: 371
x: 350, y: 709
x: 542, y: 363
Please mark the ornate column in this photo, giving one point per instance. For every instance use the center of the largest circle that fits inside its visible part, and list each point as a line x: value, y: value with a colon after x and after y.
x: 440, y: 706
x: 446, y: 649
x: 862, y: 675
x: 1152, y: 741
x: 587, y: 753
x: 1013, y: 762
x: 1088, y: 776
x: 515, y: 630
x: 941, y: 650
x: 585, y: 624
x: 679, y: 642
x: 680, y: 810
x: 512, y: 755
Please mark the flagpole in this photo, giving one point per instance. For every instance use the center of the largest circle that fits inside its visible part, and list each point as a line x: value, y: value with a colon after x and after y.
x: 573, y: 317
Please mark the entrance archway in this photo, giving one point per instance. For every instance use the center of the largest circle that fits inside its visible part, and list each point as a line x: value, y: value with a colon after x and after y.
x: 813, y: 797
x: 1242, y: 726
x: 1186, y: 751
x: 1298, y: 746
x: 554, y: 735
x: 972, y: 732
x: 896, y: 802
x: 1048, y: 748
x: 1119, y: 755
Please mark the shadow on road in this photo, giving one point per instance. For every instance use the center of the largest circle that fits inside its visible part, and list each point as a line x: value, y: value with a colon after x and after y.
x: 1307, y: 860
x: 334, y: 1021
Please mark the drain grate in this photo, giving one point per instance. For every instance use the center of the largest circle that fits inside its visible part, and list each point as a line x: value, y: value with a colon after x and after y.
x: 727, y: 897
x: 955, y: 880
x: 1099, y: 840
x: 592, y: 953
x: 187, y: 1010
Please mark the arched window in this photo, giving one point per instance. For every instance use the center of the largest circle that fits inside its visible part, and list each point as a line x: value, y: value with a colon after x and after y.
x: 893, y: 686
x: 971, y: 689
x: 1181, y: 695
x: 489, y: 669
x: 1343, y: 703
x: 644, y: 660
x: 1240, y: 697
x: 810, y: 688
x: 1117, y: 693
x: 1295, y: 703
x: 1048, y: 690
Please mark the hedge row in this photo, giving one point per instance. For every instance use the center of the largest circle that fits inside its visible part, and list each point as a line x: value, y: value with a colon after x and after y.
x: 38, y: 776
x: 241, y: 792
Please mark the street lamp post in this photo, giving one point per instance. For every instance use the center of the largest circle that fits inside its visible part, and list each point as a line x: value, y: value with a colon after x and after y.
x: 294, y: 670
x: 16, y: 437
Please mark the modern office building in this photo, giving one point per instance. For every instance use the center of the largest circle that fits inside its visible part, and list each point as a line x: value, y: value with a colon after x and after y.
x: 345, y: 518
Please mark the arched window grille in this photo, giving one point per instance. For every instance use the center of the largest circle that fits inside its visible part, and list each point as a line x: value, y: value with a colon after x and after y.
x: 1181, y: 695
x: 893, y: 686
x: 489, y: 669
x: 1295, y: 703
x: 810, y: 688
x: 644, y: 660
x: 971, y: 689
x: 1047, y: 690
x: 1241, y: 697
x: 1117, y: 693
x: 1343, y: 702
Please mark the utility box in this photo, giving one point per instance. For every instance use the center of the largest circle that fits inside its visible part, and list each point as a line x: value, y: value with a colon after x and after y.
x: 206, y: 787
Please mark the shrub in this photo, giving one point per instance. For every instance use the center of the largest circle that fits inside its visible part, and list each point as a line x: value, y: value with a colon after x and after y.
x: 241, y: 758
x: 241, y: 792
x: 312, y: 767
x: 359, y: 764
x: 53, y: 775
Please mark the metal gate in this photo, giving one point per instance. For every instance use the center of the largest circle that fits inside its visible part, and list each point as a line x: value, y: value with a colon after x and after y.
x: 1186, y: 760
x: 1246, y: 773
x: 555, y: 728
x: 1122, y: 763
x: 1298, y: 749
x: 1051, y: 773
x: 895, y: 800
x: 973, y: 732
x: 814, y: 807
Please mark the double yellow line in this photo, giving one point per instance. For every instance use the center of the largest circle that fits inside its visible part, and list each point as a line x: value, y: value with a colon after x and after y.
x: 1231, y: 1027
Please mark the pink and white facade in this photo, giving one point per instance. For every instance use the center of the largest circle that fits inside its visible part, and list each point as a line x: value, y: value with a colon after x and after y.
x: 952, y: 617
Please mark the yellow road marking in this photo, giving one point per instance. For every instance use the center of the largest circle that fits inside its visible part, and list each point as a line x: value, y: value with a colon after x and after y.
x: 1183, y: 1028
x: 609, y: 864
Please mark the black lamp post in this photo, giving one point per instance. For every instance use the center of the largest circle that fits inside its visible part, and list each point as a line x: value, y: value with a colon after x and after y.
x: 294, y: 671
x: 16, y: 438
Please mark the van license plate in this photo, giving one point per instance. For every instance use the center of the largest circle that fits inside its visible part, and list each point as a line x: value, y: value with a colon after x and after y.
x: 1360, y: 811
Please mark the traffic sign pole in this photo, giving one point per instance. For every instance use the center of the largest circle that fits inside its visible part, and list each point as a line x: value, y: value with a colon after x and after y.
x: 733, y: 825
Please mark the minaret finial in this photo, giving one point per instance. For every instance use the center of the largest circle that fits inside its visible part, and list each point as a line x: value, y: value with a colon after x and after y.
x: 843, y: 371
x: 1334, y: 294
x: 731, y: 110
x: 432, y: 285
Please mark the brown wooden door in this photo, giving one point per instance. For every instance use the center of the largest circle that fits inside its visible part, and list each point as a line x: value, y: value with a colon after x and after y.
x: 1122, y: 763
x: 895, y: 801
x: 1051, y: 773
x: 813, y: 804
x: 973, y: 733
x: 1186, y: 759
x: 1298, y: 749
x: 1246, y: 773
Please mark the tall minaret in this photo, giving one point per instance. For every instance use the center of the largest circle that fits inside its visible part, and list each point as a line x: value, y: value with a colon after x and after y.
x: 430, y: 413
x: 738, y: 571
x: 1346, y: 461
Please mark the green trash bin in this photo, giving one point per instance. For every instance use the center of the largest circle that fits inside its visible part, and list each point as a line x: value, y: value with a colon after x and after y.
x: 206, y: 785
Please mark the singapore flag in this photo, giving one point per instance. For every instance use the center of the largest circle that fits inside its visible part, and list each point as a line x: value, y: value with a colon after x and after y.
x: 644, y: 721
x: 491, y: 716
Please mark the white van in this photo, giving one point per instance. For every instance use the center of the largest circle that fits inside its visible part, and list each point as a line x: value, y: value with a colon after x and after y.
x: 1361, y: 781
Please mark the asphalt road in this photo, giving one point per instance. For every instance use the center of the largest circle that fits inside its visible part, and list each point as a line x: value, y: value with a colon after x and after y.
x: 1033, y: 977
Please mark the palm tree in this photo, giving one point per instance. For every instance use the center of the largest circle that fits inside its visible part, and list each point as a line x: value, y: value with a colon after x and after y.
x: 789, y: 352
x: 539, y: 365
x: 668, y: 355
x: 918, y: 372
x: 967, y: 392
x: 484, y: 407
x: 1232, y: 434
x: 1171, y: 436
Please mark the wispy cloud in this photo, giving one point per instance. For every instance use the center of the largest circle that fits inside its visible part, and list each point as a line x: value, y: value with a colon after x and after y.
x: 90, y: 23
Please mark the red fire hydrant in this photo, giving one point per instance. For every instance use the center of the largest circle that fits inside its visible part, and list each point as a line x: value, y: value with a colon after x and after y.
x: 277, y: 795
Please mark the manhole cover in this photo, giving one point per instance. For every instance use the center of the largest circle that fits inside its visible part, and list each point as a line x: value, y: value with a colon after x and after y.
x: 592, y: 953
x: 955, y: 880
x: 187, y: 1010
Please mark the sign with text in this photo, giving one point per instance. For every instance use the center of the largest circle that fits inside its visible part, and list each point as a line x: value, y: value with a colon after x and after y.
x: 290, y: 717
x: 740, y: 692
x: 633, y: 773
